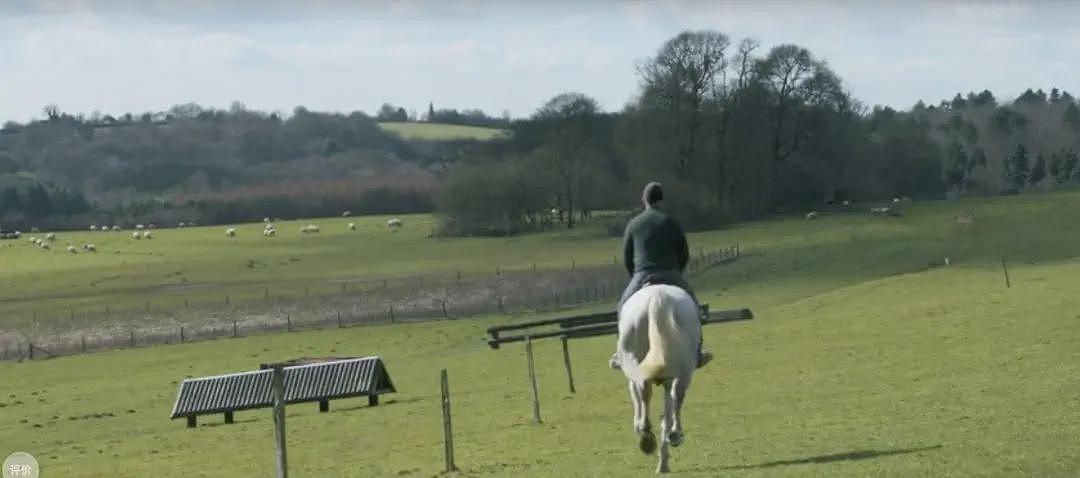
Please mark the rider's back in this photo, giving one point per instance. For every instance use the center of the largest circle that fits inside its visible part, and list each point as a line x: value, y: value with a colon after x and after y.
x: 654, y: 242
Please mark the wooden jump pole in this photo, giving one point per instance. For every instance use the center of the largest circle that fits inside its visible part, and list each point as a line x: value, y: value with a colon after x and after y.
x: 278, y: 389
x: 532, y: 380
x: 448, y: 430
x: 566, y: 360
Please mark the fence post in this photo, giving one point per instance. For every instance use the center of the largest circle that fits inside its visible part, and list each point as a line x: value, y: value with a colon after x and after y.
x: 391, y: 312
x: 288, y: 322
x: 445, y: 315
x: 181, y: 335
x: 278, y: 390
x: 82, y: 341
x: 459, y: 277
x: 132, y: 337
x: 448, y: 430
x: 532, y: 380
x: 30, y: 350
x: 185, y: 303
x: 235, y: 330
x: 1006, y: 270
x: 566, y: 360
x: 344, y: 287
x: 340, y: 324
x: 226, y: 299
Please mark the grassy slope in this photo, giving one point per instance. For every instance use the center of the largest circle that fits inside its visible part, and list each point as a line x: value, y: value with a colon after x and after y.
x: 441, y: 132
x: 862, y: 362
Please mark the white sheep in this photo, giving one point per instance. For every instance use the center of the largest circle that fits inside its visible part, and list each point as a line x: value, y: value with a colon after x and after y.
x: 352, y: 226
x: 93, y: 227
x: 139, y: 227
x: 346, y: 214
x: 135, y: 235
x: 847, y: 203
x: 266, y: 220
x: 270, y: 232
x: 33, y: 240
x: 150, y: 226
x: 895, y: 200
x: 45, y: 245
x: 812, y: 215
x: 18, y: 234
x: 310, y: 228
x: 182, y: 224
x: 394, y: 223
x: 91, y: 248
x: 71, y: 249
x: 116, y: 228
x: 191, y: 224
x: 230, y: 232
x: 50, y: 236
x: 146, y: 235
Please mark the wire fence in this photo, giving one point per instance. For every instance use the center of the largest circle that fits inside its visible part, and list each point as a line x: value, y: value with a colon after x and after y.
x: 346, y: 304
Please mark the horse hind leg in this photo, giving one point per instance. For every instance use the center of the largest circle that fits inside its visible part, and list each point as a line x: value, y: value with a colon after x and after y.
x: 666, y: 422
x: 641, y: 393
x: 678, y: 395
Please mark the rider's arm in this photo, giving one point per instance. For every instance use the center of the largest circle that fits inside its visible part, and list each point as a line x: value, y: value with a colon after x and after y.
x: 683, y: 247
x: 628, y: 252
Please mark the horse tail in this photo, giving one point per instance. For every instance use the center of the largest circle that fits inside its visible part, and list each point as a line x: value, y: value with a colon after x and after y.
x: 662, y: 337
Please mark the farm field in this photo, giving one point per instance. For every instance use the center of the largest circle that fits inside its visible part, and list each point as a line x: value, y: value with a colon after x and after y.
x: 867, y: 357
x: 440, y: 131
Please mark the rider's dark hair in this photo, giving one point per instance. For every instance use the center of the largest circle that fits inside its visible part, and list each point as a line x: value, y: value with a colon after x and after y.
x: 653, y: 193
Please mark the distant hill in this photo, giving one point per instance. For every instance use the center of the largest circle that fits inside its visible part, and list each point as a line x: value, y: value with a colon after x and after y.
x: 441, y: 131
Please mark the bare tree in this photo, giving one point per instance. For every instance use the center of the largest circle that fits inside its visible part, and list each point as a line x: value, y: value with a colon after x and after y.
x: 568, y: 120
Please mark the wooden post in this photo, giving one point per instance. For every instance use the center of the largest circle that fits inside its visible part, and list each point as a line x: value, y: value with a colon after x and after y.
x: 235, y: 330
x: 82, y: 340
x: 391, y: 312
x: 181, y: 335
x: 30, y: 350
x: 185, y: 303
x: 228, y: 417
x: 1006, y: 270
x: 373, y: 400
x: 324, y: 406
x: 191, y: 421
x: 458, y: 277
x: 532, y: 380
x: 448, y: 430
x: 226, y: 299
x: 340, y: 324
x: 278, y: 389
x: 444, y: 313
x: 534, y: 267
x: 566, y: 360
x: 133, y: 336
x: 498, y: 272
x: 288, y: 322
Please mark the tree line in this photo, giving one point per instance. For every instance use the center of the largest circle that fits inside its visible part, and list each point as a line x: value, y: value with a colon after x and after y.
x: 737, y: 132
x: 734, y: 130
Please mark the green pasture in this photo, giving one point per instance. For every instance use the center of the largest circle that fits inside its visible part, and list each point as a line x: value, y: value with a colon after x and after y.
x: 440, y: 131
x: 867, y: 357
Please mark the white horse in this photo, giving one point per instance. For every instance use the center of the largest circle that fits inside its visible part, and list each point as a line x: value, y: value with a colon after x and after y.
x: 659, y: 332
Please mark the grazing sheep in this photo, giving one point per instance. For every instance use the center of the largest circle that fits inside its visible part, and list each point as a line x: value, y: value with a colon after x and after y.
x: 191, y: 224
x: 230, y: 232
x: 352, y: 226
x: 139, y: 227
x: 394, y: 223
x: 946, y: 261
x: 847, y: 203
x: 346, y: 214
x: 71, y: 249
x: 812, y: 215
x: 146, y: 235
x: 116, y: 228
x: 45, y: 245
x: 135, y: 235
x: 50, y: 236
x: 93, y: 227
x: 270, y: 232
x: 308, y: 229
x: 18, y: 234
x: 182, y: 224
x: 150, y: 226
x: 33, y: 239
x: 266, y: 220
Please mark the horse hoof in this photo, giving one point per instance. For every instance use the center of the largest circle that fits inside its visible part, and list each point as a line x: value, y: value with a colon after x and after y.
x: 647, y: 443
x: 676, y: 439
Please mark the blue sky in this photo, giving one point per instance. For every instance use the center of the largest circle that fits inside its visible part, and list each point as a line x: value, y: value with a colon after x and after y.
x: 136, y: 56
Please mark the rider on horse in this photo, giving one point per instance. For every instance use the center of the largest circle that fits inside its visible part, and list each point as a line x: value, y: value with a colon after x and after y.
x: 655, y: 252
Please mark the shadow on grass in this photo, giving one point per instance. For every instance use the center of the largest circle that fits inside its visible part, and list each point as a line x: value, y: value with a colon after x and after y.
x: 836, y: 457
x: 382, y: 403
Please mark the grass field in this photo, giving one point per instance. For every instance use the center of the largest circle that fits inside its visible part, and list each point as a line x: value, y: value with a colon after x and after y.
x: 441, y: 132
x: 867, y: 358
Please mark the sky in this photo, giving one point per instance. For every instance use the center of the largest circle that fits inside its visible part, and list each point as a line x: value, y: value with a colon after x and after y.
x: 510, y: 55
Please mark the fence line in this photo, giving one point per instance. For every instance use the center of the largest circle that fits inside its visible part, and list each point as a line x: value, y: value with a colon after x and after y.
x: 391, y: 300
